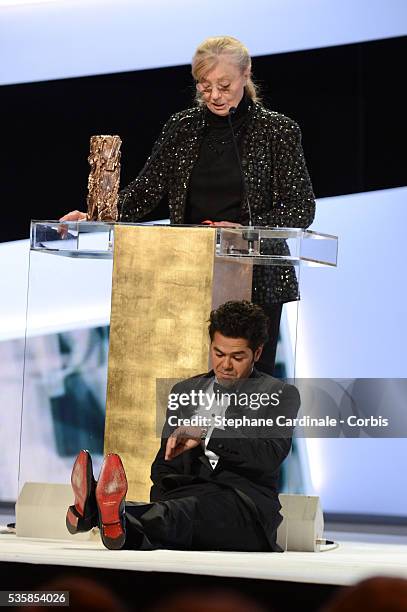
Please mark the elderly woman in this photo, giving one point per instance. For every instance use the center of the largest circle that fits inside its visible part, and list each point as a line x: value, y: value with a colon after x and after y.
x: 194, y: 162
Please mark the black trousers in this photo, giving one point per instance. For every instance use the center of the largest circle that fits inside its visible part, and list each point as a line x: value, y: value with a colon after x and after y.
x: 216, y: 520
x: 267, y: 359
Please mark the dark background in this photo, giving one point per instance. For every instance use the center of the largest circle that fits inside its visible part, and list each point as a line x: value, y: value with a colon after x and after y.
x: 349, y: 101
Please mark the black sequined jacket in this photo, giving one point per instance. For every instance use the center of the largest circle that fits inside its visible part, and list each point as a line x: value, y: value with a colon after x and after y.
x: 278, y: 184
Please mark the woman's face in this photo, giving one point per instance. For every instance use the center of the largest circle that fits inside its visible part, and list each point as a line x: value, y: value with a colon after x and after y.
x: 223, y: 86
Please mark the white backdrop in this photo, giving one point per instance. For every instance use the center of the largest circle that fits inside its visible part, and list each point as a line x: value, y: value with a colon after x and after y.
x: 353, y: 325
x: 54, y: 39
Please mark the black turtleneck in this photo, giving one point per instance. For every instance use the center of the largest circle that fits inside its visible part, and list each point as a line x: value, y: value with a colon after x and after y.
x: 215, y: 187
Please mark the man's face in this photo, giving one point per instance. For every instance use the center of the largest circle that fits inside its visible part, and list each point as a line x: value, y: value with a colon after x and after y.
x: 232, y: 358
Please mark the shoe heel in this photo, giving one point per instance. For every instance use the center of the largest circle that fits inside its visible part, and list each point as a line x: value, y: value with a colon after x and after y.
x: 77, y: 524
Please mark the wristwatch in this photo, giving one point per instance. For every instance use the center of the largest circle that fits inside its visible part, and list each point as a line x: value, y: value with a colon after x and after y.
x: 204, y: 433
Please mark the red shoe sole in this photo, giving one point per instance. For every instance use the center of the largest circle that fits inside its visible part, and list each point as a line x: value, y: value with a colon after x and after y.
x: 81, y: 480
x: 110, y: 495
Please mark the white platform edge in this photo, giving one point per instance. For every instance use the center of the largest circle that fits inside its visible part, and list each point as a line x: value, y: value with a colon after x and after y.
x: 346, y: 565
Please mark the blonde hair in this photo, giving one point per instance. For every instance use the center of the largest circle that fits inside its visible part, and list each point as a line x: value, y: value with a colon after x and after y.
x: 207, y: 55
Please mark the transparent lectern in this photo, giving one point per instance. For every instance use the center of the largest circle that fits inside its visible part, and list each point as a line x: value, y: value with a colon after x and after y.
x: 113, y: 307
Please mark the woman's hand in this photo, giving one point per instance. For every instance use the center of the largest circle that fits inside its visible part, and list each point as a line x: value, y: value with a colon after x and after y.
x: 74, y: 215
x: 221, y: 223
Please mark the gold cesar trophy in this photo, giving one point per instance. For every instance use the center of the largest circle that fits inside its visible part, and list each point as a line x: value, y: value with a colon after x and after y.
x: 104, y: 178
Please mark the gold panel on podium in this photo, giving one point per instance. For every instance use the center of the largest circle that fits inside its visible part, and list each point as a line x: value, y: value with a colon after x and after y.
x: 161, y: 299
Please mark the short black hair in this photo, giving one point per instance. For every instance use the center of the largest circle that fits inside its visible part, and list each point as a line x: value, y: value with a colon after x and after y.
x: 240, y: 320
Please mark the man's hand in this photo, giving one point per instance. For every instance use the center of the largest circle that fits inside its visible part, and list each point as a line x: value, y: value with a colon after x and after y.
x: 181, y: 440
x: 221, y: 223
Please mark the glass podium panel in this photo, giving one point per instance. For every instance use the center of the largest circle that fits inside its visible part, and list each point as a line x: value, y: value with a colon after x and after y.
x: 68, y: 317
x: 76, y: 240
x: 66, y: 350
x: 278, y: 246
x: 261, y: 245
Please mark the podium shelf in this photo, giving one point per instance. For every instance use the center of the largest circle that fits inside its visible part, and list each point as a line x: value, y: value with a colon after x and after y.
x: 266, y: 246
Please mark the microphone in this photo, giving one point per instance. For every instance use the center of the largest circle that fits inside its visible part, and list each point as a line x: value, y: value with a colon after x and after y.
x: 251, y: 235
x: 153, y: 157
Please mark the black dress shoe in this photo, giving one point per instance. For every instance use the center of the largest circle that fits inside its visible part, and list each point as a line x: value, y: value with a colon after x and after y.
x: 82, y: 516
x: 111, y: 492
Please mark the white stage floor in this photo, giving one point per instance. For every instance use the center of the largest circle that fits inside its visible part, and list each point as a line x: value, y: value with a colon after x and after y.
x: 350, y: 562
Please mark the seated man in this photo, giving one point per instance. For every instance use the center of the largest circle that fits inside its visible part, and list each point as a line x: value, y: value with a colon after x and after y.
x: 215, y: 484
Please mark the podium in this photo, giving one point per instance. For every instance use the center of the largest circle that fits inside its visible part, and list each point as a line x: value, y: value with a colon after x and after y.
x: 116, y: 311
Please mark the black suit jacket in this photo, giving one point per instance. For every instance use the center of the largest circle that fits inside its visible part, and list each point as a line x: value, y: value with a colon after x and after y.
x: 249, y: 457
